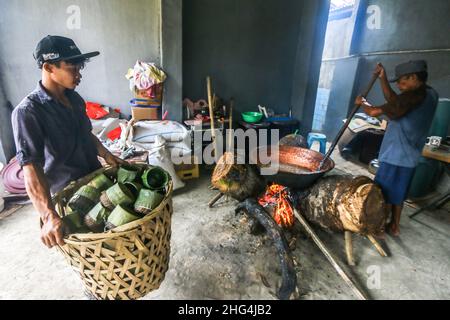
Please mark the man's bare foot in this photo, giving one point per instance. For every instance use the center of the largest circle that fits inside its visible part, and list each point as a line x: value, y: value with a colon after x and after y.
x: 393, y: 229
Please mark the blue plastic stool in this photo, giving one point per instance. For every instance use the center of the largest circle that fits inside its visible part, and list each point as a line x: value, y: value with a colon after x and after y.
x: 321, y: 138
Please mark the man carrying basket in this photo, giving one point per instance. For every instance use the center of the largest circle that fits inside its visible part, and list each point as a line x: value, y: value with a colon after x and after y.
x: 52, y: 133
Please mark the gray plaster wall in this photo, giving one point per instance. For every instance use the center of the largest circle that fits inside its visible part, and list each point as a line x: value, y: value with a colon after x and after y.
x: 252, y: 50
x: 123, y: 31
x: 406, y: 25
x: 7, y: 147
x: 340, y: 94
x: 310, y: 46
x: 172, y: 56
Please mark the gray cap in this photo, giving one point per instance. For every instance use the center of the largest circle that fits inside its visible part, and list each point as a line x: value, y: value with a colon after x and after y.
x: 409, y: 67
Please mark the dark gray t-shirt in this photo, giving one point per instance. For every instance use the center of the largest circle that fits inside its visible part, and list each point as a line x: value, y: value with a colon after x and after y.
x: 54, y: 136
x: 406, y: 135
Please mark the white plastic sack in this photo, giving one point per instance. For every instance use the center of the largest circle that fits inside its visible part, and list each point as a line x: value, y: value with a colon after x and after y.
x: 147, y: 131
x: 159, y: 156
x: 143, y: 135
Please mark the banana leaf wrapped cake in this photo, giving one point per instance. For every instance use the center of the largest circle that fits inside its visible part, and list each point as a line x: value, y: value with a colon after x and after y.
x: 111, y: 200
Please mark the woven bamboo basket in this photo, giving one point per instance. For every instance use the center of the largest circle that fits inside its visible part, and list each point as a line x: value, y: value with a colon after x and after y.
x: 127, y: 262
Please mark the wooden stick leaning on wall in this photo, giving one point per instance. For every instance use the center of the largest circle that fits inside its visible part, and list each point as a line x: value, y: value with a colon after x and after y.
x: 211, y: 113
x: 230, y: 132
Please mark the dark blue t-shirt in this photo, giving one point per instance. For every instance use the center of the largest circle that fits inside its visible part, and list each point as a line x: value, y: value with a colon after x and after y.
x: 54, y: 136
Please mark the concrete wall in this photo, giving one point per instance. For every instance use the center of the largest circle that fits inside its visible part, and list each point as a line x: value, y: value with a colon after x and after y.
x: 253, y: 51
x: 310, y: 48
x: 7, y: 147
x: 123, y: 31
x: 405, y: 25
x: 172, y: 56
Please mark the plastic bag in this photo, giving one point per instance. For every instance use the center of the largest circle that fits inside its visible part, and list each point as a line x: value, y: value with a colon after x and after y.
x: 95, y: 110
x: 159, y: 156
x: 144, y: 76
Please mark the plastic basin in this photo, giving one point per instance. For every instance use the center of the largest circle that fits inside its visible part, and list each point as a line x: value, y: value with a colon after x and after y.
x: 252, y: 117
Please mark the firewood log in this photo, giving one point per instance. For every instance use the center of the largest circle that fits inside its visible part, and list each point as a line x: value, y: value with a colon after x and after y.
x: 240, y: 181
x: 346, y: 203
x: 257, y: 212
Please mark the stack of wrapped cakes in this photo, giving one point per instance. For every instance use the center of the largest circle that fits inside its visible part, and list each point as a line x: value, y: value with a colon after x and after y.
x: 107, y: 202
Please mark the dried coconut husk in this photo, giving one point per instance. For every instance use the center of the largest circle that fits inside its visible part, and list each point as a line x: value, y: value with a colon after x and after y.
x: 119, y: 217
x: 118, y: 194
x: 127, y: 173
x: 95, y: 219
x: 240, y: 181
x: 147, y: 201
x: 155, y: 178
x: 84, y: 199
x: 101, y: 182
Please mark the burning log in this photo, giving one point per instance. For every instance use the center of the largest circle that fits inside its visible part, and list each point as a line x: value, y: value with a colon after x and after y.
x: 256, y: 211
x: 346, y: 203
x: 236, y: 180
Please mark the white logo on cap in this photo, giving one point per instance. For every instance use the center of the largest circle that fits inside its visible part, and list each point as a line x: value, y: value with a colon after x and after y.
x: 50, y: 56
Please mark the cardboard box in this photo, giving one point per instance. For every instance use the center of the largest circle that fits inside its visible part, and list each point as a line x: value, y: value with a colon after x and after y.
x: 144, y: 113
x: 187, y: 171
x: 143, y: 96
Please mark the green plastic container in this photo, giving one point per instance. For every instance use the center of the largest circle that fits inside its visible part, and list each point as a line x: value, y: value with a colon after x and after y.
x: 425, y: 179
x: 429, y: 171
x: 441, y: 121
x: 252, y: 117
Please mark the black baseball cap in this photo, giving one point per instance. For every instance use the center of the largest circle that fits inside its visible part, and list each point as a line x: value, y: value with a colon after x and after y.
x: 56, y: 48
x: 410, y: 67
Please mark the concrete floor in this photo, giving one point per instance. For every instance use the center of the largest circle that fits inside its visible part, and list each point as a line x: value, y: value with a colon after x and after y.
x: 214, y: 257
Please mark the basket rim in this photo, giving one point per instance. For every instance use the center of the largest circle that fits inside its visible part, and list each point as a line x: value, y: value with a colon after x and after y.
x: 85, y: 238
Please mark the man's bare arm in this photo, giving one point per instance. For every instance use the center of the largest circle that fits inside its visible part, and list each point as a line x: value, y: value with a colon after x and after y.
x: 372, y: 111
x: 388, y: 93
x: 36, y: 184
x: 367, y: 108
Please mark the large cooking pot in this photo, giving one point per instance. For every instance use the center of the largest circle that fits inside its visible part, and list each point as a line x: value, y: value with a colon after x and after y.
x: 297, y: 167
